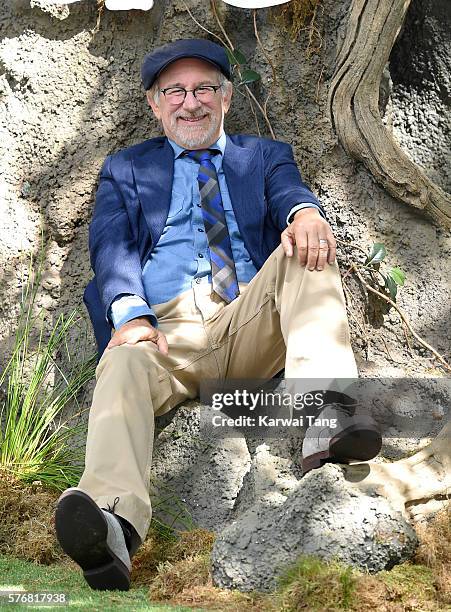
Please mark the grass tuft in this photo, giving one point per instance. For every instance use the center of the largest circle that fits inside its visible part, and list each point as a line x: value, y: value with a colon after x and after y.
x: 194, y: 542
x: 209, y: 597
x: 26, y: 522
x: 36, y: 443
x: 311, y: 582
x: 435, y: 551
x: 173, y: 578
x: 159, y: 549
x: 152, y: 553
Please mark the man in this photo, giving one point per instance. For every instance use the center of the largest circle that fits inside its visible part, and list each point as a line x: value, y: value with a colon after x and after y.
x: 185, y: 244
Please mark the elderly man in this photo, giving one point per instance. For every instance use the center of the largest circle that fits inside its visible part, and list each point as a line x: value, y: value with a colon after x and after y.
x: 213, y: 260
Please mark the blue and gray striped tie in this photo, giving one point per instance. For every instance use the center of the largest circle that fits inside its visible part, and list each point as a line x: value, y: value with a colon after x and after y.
x: 223, y: 273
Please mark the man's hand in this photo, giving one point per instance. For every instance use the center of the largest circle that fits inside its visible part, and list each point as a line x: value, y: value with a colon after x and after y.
x: 312, y: 236
x: 139, y: 330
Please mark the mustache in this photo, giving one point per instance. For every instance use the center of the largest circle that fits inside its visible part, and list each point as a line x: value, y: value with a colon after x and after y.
x: 194, y: 115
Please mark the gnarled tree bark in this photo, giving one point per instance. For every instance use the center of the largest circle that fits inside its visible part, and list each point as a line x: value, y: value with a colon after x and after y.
x: 354, y: 106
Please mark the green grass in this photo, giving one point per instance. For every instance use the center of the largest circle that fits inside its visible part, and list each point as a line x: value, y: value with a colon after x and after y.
x: 409, y: 580
x: 20, y: 575
x: 313, y: 583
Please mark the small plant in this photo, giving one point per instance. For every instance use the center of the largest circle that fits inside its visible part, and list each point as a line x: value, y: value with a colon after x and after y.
x: 382, y: 284
x: 370, y: 276
x: 238, y: 60
x: 36, y: 442
x: 392, y: 280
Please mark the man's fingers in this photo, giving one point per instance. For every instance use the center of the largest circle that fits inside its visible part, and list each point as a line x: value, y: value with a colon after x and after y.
x: 314, y: 246
x: 314, y: 240
x: 162, y: 344
x: 116, y: 342
x: 132, y: 334
x: 302, y: 245
x: 119, y: 340
x: 332, y: 248
x: 322, y: 254
x: 287, y: 243
x: 313, y: 252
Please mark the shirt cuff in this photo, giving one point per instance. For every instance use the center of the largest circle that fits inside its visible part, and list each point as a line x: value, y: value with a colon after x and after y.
x: 300, y: 207
x: 128, y: 307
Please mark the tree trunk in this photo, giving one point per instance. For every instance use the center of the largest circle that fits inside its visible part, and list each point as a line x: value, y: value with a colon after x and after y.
x: 354, y: 106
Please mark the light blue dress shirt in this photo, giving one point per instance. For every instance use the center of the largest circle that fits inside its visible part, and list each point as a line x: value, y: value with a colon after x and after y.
x: 181, y: 257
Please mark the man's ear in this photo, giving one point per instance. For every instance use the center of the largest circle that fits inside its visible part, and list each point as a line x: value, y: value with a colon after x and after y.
x: 227, y: 99
x: 153, y: 105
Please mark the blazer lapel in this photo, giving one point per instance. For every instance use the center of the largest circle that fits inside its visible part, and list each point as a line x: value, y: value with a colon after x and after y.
x: 245, y: 182
x: 154, y: 171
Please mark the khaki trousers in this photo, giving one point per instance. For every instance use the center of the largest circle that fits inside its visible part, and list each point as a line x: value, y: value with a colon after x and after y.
x: 286, y: 316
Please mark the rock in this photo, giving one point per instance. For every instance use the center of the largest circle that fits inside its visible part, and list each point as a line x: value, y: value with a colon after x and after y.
x: 324, y: 516
x: 57, y: 10
x: 205, y: 472
x: 410, y: 411
x: 270, y: 479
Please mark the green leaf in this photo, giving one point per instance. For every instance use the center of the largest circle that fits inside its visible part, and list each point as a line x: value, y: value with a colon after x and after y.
x: 236, y: 57
x: 391, y: 286
x: 249, y: 76
x: 240, y: 56
x: 377, y: 254
x: 398, y: 276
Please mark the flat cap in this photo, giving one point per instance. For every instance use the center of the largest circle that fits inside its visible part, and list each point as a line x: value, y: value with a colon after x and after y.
x: 161, y: 57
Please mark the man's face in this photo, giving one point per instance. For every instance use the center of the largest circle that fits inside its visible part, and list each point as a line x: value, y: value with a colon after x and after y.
x: 191, y: 124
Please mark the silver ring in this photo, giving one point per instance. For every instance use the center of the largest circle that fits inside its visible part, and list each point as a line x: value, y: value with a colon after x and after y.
x: 322, y: 240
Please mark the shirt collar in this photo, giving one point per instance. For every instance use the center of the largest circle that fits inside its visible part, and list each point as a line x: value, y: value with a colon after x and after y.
x: 220, y: 145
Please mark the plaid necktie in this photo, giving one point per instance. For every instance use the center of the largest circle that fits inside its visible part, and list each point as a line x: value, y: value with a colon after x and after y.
x: 223, y: 273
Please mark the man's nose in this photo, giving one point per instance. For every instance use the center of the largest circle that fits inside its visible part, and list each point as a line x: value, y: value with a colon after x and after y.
x: 191, y: 102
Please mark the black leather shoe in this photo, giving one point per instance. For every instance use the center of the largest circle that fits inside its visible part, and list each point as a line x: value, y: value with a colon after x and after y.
x: 355, y: 437
x: 95, y: 539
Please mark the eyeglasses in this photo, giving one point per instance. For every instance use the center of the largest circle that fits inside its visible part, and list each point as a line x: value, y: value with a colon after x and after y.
x: 177, y: 95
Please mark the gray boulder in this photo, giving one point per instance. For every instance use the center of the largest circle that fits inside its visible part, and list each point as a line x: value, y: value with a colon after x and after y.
x: 251, y: 494
x: 323, y: 516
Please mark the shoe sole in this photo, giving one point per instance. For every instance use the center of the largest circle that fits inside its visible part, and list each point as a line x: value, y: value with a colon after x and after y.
x: 82, y: 532
x: 352, y: 444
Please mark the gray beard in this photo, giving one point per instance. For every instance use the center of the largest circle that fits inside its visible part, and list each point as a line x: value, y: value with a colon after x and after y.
x: 192, y: 139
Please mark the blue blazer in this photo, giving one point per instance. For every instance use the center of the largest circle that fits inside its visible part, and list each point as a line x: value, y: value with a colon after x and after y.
x: 132, y: 205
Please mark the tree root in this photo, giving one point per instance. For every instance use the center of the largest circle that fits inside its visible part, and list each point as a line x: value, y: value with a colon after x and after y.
x: 354, y: 107
x: 418, y: 485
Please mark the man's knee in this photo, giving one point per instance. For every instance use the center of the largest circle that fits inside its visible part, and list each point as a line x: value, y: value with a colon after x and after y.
x: 130, y: 357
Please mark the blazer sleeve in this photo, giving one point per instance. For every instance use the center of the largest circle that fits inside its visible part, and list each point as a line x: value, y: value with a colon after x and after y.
x: 284, y: 187
x: 112, y: 246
